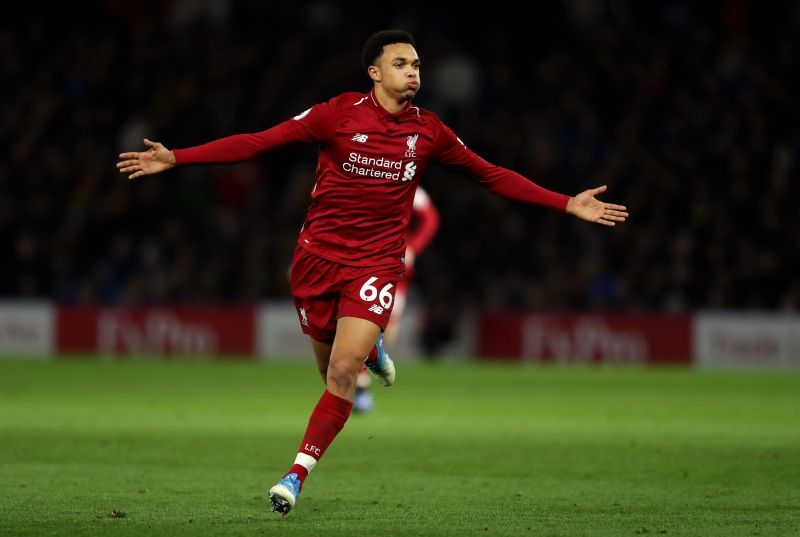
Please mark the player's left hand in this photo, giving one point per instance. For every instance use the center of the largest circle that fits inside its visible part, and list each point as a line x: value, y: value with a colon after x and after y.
x: 586, y: 207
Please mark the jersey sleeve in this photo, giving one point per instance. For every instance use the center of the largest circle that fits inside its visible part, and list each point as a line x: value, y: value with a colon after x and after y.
x: 427, y: 222
x: 314, y: 126
x: 451, y: 151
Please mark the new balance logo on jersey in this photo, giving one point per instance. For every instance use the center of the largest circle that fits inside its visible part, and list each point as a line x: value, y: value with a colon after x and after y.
x: 409, y: 172
x: 360, y: 138
x: 411, y: 142
x: 303, y: 318
x: 376, y: 308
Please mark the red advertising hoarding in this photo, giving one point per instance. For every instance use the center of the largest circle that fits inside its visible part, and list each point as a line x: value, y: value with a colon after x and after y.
x: 202, y: 331
x: 623, y: 339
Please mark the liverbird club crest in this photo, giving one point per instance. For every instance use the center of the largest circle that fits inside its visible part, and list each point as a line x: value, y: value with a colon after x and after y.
x: 412, y: 145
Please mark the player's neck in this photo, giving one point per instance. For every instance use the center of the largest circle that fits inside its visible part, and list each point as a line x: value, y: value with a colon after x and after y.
x: 391, y: 104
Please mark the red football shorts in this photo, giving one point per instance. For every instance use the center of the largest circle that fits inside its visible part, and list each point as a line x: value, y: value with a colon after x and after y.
x: 324, y: 291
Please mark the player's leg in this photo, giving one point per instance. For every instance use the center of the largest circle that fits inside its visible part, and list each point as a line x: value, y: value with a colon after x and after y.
x: 363, y: 401
x: 283, y: 495
x: 322, y: 353
x: 354, y: 338
x: 378, y: 361
x: 362, y: 311
x: 314, y: 287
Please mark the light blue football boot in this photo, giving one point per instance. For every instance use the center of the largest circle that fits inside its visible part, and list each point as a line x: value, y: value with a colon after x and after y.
x: 383, y: 367
x: 284, y: 495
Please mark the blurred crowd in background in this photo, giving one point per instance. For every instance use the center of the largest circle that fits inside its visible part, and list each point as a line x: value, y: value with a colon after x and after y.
x: 687, y: 112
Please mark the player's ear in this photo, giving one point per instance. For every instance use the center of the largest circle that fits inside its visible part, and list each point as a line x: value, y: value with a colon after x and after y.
x: 374, y: 73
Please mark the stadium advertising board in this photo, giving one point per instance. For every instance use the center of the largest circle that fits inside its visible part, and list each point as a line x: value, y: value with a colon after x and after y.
x: 279, y: 332
x: 40, y: 330
x: 26, y: 329
x: 195, y: 331
x: 747, y: 340
x: 563, y: 338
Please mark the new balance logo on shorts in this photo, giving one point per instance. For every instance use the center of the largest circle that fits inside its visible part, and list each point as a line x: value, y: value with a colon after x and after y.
x: 376, y: 308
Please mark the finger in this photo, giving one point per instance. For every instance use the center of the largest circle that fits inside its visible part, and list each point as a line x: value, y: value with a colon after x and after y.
x: 606, y: 222
x: 598, y: 190
x: 148, y: 143
x: 616, y: 207
x: 135, y: 175
x: 615, y: 218
x: 615, y: 213
x: 124, y: 163
x: 130, y: 169
x: 129, y: 155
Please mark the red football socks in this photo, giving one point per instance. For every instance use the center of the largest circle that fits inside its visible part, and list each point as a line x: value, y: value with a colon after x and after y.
x: 327, y: 419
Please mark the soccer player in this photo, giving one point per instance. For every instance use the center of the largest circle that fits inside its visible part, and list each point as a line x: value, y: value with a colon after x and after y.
x: 373, y: 149
x: 423, y: 226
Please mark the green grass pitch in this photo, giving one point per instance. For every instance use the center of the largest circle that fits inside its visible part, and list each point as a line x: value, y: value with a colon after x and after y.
x: 175, y: 448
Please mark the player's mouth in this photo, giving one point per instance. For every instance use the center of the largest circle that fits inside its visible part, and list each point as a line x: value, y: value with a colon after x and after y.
x: 413, y: 85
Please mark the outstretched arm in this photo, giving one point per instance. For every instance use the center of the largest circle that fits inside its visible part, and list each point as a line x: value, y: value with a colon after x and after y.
x: 512, y: 185
x: 156, y: 159
x: 236, y: 148
x: 315, y: 125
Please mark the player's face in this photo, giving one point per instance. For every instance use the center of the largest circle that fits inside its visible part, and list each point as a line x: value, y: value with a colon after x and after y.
x: 398, y: 70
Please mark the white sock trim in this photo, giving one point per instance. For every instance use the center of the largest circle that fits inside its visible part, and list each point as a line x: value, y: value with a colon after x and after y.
x: 306, y: 461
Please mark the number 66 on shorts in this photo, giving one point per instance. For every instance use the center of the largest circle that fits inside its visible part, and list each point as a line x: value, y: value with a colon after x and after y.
x: 369, y: 292
x: 371, y: 297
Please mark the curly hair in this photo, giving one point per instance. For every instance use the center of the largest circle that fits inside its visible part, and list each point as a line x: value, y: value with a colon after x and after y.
x: 373, y: 47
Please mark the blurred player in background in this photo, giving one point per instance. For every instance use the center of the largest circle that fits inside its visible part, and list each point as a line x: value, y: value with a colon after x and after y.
x: 351, y: 249
x: 424, y: 225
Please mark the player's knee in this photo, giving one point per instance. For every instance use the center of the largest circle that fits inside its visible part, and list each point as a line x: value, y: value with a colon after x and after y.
x: 341, y: 377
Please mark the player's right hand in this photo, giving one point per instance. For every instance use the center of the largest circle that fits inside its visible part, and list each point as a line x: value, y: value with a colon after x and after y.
x: 156, y: 159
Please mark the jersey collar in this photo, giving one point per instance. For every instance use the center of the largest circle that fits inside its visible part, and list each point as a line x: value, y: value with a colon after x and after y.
x: 382, y: 112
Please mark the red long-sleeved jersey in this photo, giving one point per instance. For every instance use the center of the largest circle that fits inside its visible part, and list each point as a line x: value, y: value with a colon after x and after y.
x: 369, y: 165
